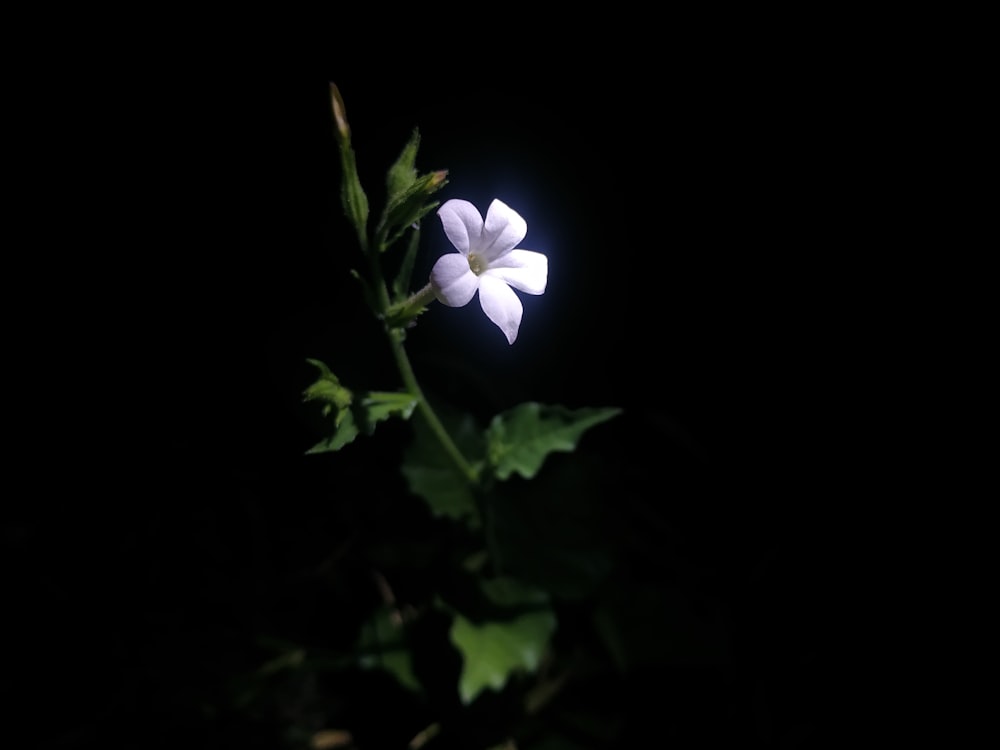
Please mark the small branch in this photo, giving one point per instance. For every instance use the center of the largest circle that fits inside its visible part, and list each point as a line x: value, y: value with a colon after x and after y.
x: 425, y: 736
x: 544, y: 692
x: 410, y: 380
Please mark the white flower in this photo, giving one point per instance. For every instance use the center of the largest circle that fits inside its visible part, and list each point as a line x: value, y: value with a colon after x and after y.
x: 487, y: 261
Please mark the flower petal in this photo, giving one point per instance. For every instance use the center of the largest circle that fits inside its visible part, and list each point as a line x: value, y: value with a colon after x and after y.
x: 453, y: 281
x: 504, y: 228
x: 501, y: 305
x: 463, y: 224
x: 524, y: 270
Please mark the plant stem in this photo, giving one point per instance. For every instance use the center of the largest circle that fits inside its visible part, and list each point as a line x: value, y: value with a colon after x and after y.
x: 409, y: 377
x: 410, y: 380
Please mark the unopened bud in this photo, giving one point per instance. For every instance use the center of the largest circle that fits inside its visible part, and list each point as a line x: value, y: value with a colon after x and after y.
x: 339, y: 113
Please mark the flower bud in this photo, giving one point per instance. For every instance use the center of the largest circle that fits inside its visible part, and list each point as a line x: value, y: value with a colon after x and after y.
x: 339, y: 113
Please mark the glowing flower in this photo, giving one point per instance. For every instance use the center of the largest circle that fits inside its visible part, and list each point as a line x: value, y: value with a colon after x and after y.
x: 487, y: 262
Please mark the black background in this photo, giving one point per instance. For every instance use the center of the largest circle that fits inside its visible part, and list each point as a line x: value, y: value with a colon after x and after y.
x: 700, y: 209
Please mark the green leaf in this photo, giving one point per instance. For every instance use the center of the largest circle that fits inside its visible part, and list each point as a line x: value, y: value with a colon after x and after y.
x: 352, y: 195
x: 431, y: 474
x: 378, y: 406
x: 336, y: 400
x: 401, y: 315
x: 414, y: 220
x: 344, y: 432
x: 327, y: 389
x: 383, y: 645
x: 510, y: 592
x: 556, y: 531
x: 493, y: 651
x: 408, y: 207
x: 366, y: 291
x: 520, y: 439
x: 407, y: 193
x: 401, y: 284
x: 353, y: 415
x: 403, y: 173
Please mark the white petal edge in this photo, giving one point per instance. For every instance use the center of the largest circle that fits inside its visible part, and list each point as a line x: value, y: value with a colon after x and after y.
x: 501, y: 306
x: 503, y: 230
x: 463, y: 224
x: 453, y: 281
x: 525, y: 270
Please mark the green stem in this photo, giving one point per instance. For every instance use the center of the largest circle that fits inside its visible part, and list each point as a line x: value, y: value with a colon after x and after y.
x: 396, y: 337
x: 410, y: 380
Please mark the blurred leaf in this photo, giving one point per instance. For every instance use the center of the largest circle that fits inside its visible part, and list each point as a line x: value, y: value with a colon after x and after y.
x: 520, y: 439
x: 290, y: 660
x: 398, y: 663
x: 556, y: 531
x: 645, y: 625
x: 332, y: 739
x: 383, y: 645
x: 554, y: 743
x: 493, y: 651
x: 509, y: 592
x: 432, y: 475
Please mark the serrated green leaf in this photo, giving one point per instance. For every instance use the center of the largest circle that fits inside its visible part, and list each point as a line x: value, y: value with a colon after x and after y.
x: 431, y: 474
x: 344, y: 432
x: 352, y: 415
x: 401, y: 315
x: 493, y: 651
x: 402, y: 173
x: 324, y: 369
x: 327, y: 389
x: 382, y: 645
x: 520, y: 439
x: 444, y: 490
x: 362, y: 415
x: 380, y: 405
x: 337, y: 402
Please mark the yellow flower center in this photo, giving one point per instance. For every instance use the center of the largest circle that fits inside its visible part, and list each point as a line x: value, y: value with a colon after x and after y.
x: 477, y: 264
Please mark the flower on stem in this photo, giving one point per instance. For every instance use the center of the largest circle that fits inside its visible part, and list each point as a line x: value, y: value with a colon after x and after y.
x: 488, y: 262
